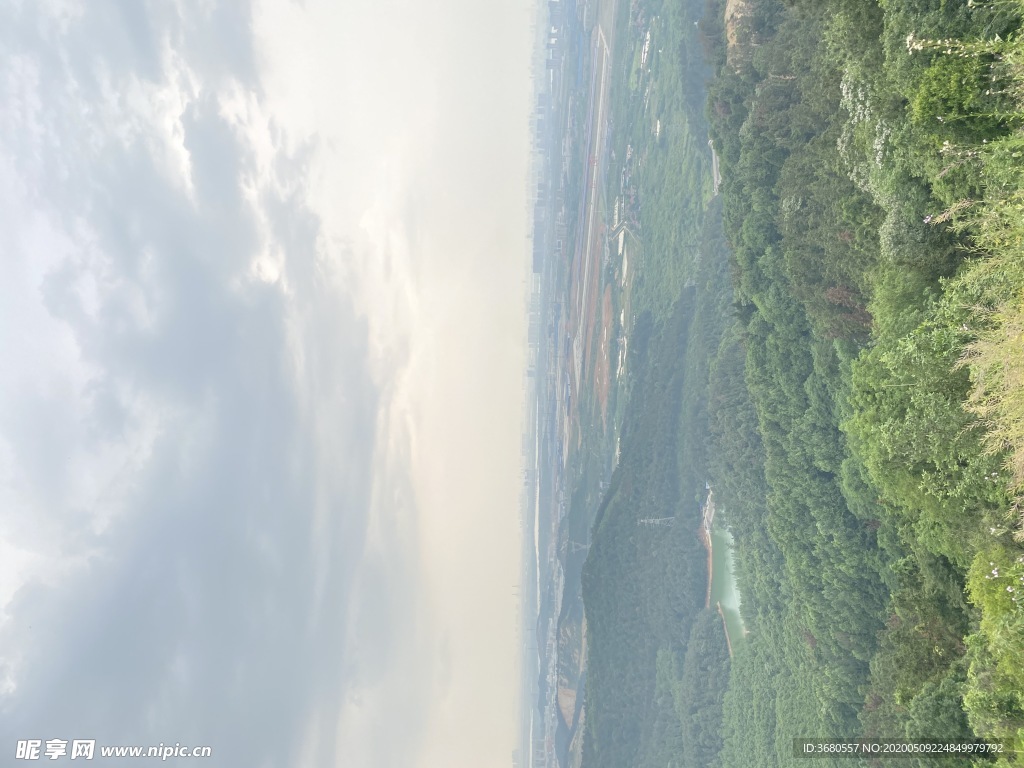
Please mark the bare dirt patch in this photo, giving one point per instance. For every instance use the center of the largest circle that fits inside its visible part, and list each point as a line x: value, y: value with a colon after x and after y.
x: 567, y: 705
x: 735, y: 11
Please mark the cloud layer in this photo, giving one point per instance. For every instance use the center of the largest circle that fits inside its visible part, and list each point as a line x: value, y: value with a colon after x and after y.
x: 259, y: 421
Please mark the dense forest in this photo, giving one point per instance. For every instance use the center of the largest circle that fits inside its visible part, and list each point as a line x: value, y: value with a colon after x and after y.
x: 872, y: 202
x: 658, y: 662
x: 859, y: 412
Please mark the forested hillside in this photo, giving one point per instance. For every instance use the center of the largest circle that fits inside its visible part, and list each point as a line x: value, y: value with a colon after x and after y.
x: 871, y: 157
x: 860, y: 415
x: 658, y: 663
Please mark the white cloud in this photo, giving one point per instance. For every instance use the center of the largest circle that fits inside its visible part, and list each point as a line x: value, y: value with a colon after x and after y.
x: 264, y: 293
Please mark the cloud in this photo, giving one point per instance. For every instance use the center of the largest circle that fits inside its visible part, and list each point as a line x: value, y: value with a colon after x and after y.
x: 259, y: 428
x: 188, y: 461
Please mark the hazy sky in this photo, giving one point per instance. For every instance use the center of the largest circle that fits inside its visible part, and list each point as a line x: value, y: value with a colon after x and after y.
x: 261, y: 328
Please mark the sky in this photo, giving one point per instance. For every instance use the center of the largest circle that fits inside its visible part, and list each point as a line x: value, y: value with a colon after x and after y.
x: 263, y: 324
